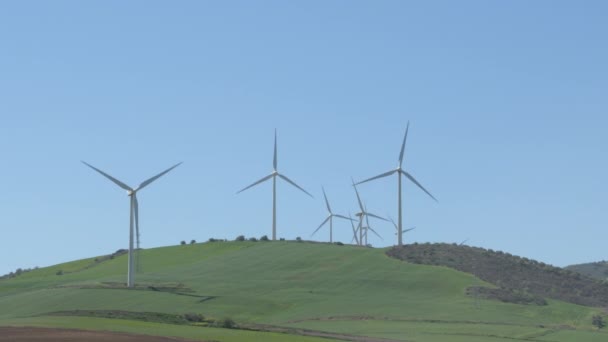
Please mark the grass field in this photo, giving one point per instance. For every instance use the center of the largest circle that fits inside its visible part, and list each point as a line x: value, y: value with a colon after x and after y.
x: 320, y: 287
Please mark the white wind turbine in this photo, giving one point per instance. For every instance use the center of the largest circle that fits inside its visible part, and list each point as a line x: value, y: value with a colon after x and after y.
x: 400, y: 171
x: 274, y: 176
x: 329, y: 218
x: 134, y: 213
x: 366, y: 214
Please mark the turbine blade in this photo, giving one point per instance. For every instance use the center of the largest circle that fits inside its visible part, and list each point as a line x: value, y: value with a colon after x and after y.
x: 358, y: 197
x: 408, y: 230
x: 150, y: 180
x: 322, y: 224
x: 410, y: 177
x: 116, y: 181
x: 274, y: 161
x: 373, y: 231
x: 258, y: 182
x: 294, y: 184
x: 394, y: 224
x: 136, y: 214
x: 376, y: 216
x: 407, y: 128
x: 326, y: 201
x: 378, y: 176
x: 343, y: 217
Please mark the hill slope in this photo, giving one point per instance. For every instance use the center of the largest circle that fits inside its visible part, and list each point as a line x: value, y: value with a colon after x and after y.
x: 298, y: 288
x: 520, y: 275
x: 598, y: 270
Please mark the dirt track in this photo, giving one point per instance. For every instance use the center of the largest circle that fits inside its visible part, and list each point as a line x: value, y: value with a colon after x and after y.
x: 66, y: 335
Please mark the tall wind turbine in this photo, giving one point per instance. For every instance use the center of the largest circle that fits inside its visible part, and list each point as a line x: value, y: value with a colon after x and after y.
x: 134, y: 213
x: 363, y: 213
x: 329, y: 218
x: 274, y: 176
x: 400, y: 171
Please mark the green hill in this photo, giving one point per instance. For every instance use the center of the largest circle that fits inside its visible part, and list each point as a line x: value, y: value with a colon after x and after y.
x: 598, y: 270
x: 281, y: 291
x: 522, y: 279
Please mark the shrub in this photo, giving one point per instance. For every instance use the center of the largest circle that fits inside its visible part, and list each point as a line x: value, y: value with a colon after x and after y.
x: 182, y: 243
x: 240, y: 238
x: 60, y: 272
x: 194, y: 317
x: 598, y: 321
x: 212, y: 240
x: 264, y: 238
x: 299, y: 239
x: 192, y: 242
x: 227, y: 323
x: 253, y: 239
x: 283, y: 239
x: 339, y: 243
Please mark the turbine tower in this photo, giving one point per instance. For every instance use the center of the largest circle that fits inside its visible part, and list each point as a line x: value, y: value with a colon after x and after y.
x: 400, y: 171
x: 355, y: 231
x: 274, y: 176
x: 364, y: 213
x: 134, y: 213
x: 329, y: 218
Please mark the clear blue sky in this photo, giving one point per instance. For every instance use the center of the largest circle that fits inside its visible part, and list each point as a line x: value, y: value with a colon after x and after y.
x: 507, y: 101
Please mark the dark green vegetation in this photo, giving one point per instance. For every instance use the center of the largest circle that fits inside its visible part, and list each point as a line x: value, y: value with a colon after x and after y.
x: 598, y: 270
x: 520, y: 276
x: 285, y: 291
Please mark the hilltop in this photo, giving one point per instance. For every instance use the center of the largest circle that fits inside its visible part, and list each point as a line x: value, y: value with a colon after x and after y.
x: 281, y: 291
x: 520, y: 276
x: 598, y: 270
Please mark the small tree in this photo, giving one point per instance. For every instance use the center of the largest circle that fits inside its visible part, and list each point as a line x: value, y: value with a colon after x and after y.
x: 253, y: 239
x: 598, y: 321
x: 183, y: 242
x: 299, y: 239
x: 240, y: 238
x: 192, y: 242
x: 264, y: 238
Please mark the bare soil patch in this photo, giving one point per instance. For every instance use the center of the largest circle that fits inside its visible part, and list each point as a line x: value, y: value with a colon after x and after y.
x: 14, y: 334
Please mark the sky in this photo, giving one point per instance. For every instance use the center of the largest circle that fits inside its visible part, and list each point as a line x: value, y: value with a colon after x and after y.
x: 506, y: 102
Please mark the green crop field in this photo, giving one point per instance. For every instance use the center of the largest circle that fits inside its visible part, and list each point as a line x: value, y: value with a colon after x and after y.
x: 282, y: 290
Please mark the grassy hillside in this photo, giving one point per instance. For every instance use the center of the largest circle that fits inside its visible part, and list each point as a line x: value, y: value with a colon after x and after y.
x: 520, y: 278
x: 282, y: 287
x: 598, y: 270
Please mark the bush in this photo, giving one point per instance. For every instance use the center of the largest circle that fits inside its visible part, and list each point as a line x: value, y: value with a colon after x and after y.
x: 240, y: 238
x: 283, y: 239
x: 182, y: 243
x: 339, y: 243
x: 227, y: 323
x: 212, y: 240
x: 264, y: 238
x: 253, y: 239
x: 60, y: 272
x: 192, y: 242
x: 194, y: 317
x: 299, y: 239
x: 598, y: 321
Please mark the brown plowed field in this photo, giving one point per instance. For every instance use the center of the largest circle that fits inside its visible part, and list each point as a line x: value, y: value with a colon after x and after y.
x: 66, y: 335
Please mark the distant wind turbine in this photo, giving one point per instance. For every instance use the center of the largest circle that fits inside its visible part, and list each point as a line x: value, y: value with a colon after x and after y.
x: 134, y: 213
x: 399, y: 171
x: 363, y: 213
x: 274, y: 176
x: 355, y: 231
x: 329, y: 218
x: 397, y: 228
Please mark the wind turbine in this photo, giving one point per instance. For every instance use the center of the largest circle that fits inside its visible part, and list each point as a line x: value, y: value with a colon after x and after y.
x: 397, y: 228
x: 274, y: 176
x: 329, y: 218
x: 400, y: 171
x: 363, y: 213
x: 134, y: 213
x: 354, y: 230
x: 368, y: 228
